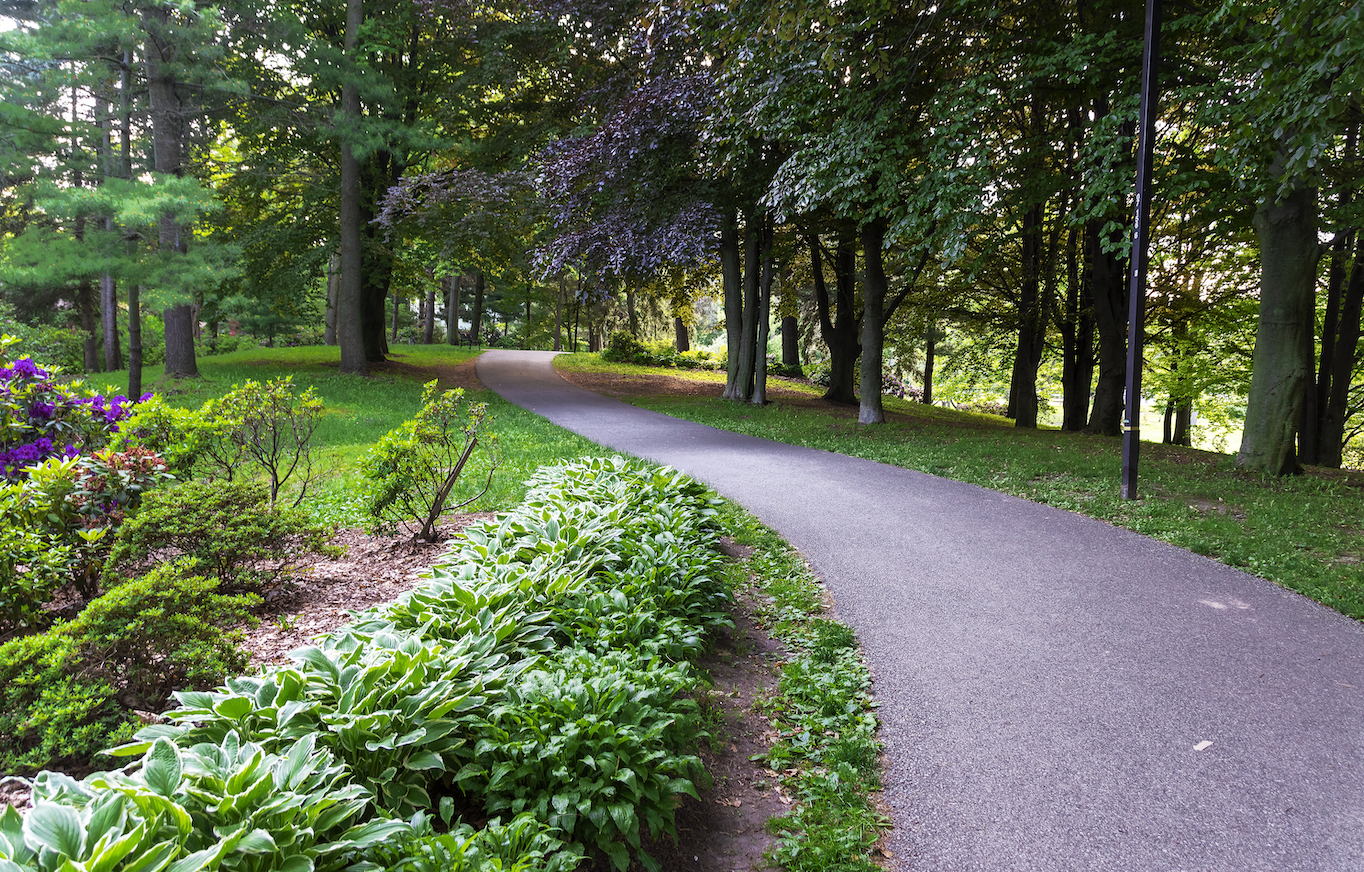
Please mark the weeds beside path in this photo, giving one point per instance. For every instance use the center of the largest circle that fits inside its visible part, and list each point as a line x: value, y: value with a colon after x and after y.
x: 1305, y: 533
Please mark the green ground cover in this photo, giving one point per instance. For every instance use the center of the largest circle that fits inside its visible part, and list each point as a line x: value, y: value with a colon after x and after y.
x: 1305, y: 533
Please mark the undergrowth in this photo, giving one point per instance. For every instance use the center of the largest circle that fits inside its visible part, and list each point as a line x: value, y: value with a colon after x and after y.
x: 826, y: 754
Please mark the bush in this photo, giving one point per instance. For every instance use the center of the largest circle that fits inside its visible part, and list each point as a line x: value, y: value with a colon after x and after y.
x: 412, y: 471
x: 268, y: 426
x: 230, y: 530
x: 51, y: 715
x: 41, y: 418
x: 70, y: 692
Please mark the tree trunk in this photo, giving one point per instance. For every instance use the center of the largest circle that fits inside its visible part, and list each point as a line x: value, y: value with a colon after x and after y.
x: 394, y: 337
x: 559, y: 316
x: 333, y: 286
x: 731, y: 272
x: 790, y: 345
x: 452, y: 310
x: 1108, y: 291
x: 180, y: 361
x: 631, y: 313
x: 874, y: 290
x: 1332, y: 435
x: 168, y: 130
x: 350, y: 314
x: 840, y: 328
x: 1076, y: 326
x: 85, y: 305
x: 134, y: 341
x: 680, y: 336
x: 1281, y: 363
x: 525, y: 333
x: 764, y: 315
x: 748, y: 340
x: 108, y: 307
x: 1183, y: 423
x: 930, y: 353
x: 1031, y: 325
x: 476, y: 316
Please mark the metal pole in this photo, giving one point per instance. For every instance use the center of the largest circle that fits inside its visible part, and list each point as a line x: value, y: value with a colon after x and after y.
x: 1136, y: 293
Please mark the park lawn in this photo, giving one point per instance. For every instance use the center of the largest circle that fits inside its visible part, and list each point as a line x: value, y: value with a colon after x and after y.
x: 359, y: 410
x: 1305, y: 533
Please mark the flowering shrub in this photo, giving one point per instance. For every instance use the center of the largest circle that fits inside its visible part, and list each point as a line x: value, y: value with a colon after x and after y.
x: 41, y: 418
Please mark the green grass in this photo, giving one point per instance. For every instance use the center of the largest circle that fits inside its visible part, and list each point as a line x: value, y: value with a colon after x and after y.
x: 359, y: 410
x: 1305, y: 533
x: 825, y: 754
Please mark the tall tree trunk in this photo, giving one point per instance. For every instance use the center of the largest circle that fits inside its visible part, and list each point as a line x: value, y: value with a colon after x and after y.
x: 748, y: 339
x: 874, y: 291
x: 452, y: 310
x: 429, y: 335
x: 1076, y: 326
x: 525, y: 334
x: 168, y: 131
x: 839, y: 328
x: 559, y: 315
x: 680, y: 335
x: 85, y: 305
x: 179, y: 322
x: 1031, y: 325
x: 731, y: 273
x: 134, y: 341
x: 333, y: 289
x: 108, y: 308
x: 764, y: 314
x: 394, y: 337
x: 930, y: 353
x: 350, y: 315
x: 790, y: 345
x: 1281, y: 364
x: 1332, y: 435
x: 476, y: 316
x: 631, y: 313
x: 1108, y: 291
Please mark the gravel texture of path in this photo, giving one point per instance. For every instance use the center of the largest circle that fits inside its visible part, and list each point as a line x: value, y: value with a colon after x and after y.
x: 1056, y: 693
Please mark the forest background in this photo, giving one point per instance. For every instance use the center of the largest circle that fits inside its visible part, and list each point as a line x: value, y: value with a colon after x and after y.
x: 887, y: 191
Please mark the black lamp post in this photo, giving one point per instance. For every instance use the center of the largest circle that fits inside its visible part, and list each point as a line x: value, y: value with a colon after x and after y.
x: 1136, y: 317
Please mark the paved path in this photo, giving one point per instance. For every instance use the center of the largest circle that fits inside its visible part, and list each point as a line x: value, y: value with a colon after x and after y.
x: 1046, y: 681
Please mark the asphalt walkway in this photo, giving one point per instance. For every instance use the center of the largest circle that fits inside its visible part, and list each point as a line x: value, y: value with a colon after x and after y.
x: 1056, y: 694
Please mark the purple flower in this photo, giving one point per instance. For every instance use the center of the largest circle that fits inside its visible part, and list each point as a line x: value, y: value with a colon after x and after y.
x: 42, y: 410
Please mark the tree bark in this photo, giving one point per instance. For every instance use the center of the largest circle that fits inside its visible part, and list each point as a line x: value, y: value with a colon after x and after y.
x: 134, y: 342
x: 108, y: 307
x: 764, y: 315
x: 1031, y: 325
x: 350, y: 315
x: 930, y: 355
x: 1332, y: 435
x: 631, y: 313
x: 839, y: 329
x: 179, y: 322
x: 429, y: 335
x: 731, y: 272
x: 1281, y: 363
x: 1076, y: 326
x: 680, y: 334
x: 874, y: 289
x: 559, y: 316
x: 333, y: 286
x: 476, y: 316
x: 452, y: 310
x: 790, y: 345
x: 1108, y: 291
x: 748, y: 339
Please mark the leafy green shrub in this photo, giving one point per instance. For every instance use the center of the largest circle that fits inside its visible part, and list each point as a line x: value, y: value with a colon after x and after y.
x: 231, y: 531
x: 624, y: 347
x: 68, y: 693
x: 412, y: 471
x: 58, y: 520
x: 270, y: 427
x: 593, y: 747
x: 51, y: 714
x: 162, y: 632
x: 521, y: 845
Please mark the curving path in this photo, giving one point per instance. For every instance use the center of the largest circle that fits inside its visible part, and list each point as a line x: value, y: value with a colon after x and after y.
x: 1049, y: 685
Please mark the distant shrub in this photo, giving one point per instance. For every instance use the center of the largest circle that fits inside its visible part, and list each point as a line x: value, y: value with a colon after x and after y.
x: 624, y: 347
x: 230, y: 530
x: 988, y: 407
x: 267, y: 426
